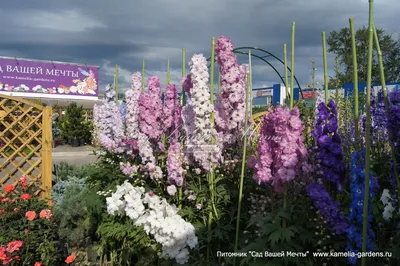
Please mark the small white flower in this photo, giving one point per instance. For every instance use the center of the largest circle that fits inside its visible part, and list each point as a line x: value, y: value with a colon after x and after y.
x: 171, y: 190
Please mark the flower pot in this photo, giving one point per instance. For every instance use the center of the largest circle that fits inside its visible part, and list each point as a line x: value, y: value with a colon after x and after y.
x: 74, y: 142
x: 82, y: 142
x: 54, y: 143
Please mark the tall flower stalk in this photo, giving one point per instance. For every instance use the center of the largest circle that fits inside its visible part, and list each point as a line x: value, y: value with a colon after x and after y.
x: 281, y: 152
x: 109, y: 123
x: 368, y: 133
x: 356, y: 217
x: 330, y: 165
x: 230, y: 106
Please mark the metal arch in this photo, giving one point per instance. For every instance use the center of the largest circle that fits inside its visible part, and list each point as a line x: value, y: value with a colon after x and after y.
x: 264, y: 61
x: 236, y: 50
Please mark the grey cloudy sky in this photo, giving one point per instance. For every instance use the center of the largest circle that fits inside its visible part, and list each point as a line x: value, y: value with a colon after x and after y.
x: 125, y: 32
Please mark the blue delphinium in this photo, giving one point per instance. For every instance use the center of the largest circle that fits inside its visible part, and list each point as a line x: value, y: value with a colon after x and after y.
x: 355, y: 218
x: 329, y: 155
x: 122, y: 110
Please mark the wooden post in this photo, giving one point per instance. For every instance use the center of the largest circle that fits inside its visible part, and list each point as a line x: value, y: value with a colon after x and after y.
x: 47, y: 159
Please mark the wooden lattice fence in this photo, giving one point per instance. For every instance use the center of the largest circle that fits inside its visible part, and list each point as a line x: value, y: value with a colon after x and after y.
x: 25, y: 143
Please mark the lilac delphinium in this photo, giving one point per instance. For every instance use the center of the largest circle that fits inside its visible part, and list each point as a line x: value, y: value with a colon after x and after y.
x: 355, y: 218
x: 329, y: 156
x: 108, y: 123
x: 328, y: 208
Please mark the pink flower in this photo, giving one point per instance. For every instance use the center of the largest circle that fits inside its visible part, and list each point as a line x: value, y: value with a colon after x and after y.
x: 45, y: 214
x: 281, y: 149
x: 30, y: 215
x: 14, y: 246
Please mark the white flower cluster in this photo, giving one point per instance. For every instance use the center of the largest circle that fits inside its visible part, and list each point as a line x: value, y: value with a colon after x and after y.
x: 159, y: 219
x: 259, y: 204
x: 387, y: 199
x: 319, y: 95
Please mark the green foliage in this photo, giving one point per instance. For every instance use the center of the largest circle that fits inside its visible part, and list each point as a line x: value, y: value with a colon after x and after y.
x: 123, y: 244
x: 78, y: 215
x: 72, y: 124
x: 340, y: 43
x: 302, y: 236
x: 63, y: 171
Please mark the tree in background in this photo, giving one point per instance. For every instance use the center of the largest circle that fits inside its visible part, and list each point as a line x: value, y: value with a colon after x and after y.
x: 340, y: 44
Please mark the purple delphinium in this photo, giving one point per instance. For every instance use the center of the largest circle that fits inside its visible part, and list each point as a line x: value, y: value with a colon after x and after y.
x: 393, y: 127
x: 329, y: 156
x: 328, y: 208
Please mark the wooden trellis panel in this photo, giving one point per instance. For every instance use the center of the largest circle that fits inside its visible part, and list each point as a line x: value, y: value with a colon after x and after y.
x: 25, y: 143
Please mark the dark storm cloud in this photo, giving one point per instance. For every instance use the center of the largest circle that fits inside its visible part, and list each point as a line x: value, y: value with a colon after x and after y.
x: 125, y: 32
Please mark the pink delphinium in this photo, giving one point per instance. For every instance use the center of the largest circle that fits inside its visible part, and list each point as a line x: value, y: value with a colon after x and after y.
x: 170, y: 105
x: 150, y: 109
x: 230, y: 110
x: 281, y: 152
x: 148, y: 159
x: 128, y: 169
x: 174, y: 164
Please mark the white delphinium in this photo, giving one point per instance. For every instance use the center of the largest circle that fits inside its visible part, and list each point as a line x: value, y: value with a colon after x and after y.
x: 197, y: 115
x: 158, y: 219
x: 132, y: 110
x: 386, y: 199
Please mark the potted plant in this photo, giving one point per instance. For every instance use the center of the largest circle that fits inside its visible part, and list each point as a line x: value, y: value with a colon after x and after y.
x: 73, y: 124
x: 56, y: 130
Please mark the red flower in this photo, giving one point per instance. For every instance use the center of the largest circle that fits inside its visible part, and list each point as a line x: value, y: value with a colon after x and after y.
x: 26, y: 230
x: 38, y: 263
x: 30, y: 215
x: 16, y: 210
x: 45, y: 214
x: 7, y: 260
x: 70, y: 259
x: 25, y: 197
x: 2, y: 211
x: 9, y: 188
x: 14, y: 246
x: 3, y: 255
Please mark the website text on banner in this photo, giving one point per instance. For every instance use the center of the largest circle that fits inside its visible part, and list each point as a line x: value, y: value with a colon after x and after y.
x: 42, y: 77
